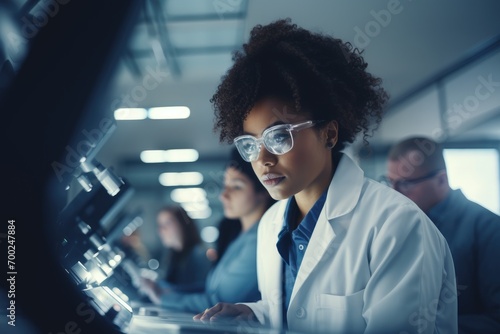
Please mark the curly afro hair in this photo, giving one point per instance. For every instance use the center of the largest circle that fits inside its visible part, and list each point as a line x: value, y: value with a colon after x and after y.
x: 317, y: 74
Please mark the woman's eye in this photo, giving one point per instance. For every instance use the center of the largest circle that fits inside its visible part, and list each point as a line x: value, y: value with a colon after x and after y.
x: 249, y: 146
x: 280, y: 137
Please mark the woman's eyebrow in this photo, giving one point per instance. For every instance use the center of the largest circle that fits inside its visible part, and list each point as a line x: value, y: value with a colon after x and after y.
x: 269, y: 126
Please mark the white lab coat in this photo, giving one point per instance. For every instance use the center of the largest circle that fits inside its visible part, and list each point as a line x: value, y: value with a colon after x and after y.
x: 375, y: 263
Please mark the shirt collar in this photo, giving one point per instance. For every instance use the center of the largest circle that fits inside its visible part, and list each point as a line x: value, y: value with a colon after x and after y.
x: 304, y: 230
x: 307, y: 224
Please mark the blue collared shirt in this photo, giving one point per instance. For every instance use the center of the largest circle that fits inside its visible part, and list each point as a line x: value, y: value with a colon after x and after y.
x: 292, y: 244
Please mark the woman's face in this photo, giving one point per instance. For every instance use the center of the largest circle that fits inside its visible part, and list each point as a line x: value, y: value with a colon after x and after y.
x: 170, y: 230
x: 238, y: 197
x: 306, y: 168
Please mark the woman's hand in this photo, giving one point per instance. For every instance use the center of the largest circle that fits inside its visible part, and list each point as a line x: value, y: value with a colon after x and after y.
x: 151, y: 289
x: 228, y: 311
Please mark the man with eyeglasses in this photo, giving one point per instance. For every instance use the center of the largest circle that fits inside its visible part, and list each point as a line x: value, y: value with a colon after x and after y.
x: 416, y: 168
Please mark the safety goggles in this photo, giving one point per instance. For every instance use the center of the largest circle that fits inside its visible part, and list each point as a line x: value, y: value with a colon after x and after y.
x: 277, y: 140
x: 406, y: 185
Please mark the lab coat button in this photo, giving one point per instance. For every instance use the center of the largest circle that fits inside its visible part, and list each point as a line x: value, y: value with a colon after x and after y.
x: 300, y: 313
x: 301, y: 247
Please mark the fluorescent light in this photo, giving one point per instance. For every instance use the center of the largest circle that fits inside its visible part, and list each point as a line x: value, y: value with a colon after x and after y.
x: 180, y: 155
x: 127, y: 114
x: 181, y: 179
x: 202, y: 214
x: 183, y: 195
x: 152, y: 156
x: 195, y: 206
x: 177, y: 112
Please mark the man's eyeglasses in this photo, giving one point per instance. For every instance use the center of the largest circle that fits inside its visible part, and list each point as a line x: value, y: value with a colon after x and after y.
x: 406, y: 185
x: 277, y: 140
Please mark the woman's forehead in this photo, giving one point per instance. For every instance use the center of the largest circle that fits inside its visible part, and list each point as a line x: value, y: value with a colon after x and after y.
x: 271, y: 111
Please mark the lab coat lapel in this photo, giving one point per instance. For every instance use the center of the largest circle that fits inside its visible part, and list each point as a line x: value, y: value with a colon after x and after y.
x: 320, y: 242
x: 274, y: 264
x: 343, y: 194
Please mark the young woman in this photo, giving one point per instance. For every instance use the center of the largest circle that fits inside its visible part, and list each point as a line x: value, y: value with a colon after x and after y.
x: 339, y: 253
x: 187, y: 265
x: 234, y: 277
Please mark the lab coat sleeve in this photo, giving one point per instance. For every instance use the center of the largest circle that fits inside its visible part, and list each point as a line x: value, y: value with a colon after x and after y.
x: 260, y: 309
x: 412, y: 273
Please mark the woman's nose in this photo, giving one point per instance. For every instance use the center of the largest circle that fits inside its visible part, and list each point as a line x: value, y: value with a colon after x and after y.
x: 223, y: 195
x: 266, y: 158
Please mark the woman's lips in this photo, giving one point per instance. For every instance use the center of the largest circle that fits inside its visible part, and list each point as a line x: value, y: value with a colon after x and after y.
x: 272, y: 180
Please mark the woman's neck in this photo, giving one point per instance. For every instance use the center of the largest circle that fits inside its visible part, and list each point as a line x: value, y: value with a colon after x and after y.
x: 308, y: 196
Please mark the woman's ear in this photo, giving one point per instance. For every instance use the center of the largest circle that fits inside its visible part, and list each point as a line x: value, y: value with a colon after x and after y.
x: 331, y: 134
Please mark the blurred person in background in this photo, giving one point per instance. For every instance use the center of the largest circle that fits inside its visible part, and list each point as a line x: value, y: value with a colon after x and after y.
x: 186, y: 263
x: 134, y: 248
x: 416, y: 168
x: 229, y: 229
x: 234, y: 277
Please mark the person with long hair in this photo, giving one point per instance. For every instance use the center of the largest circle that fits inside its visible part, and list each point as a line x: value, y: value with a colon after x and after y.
x: 234, y: 277
x: 187, y: 264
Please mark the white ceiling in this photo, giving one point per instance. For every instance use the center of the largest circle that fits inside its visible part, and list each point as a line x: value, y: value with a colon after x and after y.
x: 421, y: 40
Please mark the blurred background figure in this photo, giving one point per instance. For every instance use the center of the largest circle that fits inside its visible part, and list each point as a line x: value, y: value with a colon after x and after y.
x: 234, y: 277
x: 135, y: 249
x: 229, y: 229
x: 186, y: 264
x: 416, y: 168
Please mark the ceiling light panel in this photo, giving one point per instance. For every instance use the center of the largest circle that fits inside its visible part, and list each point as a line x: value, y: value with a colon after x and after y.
x: 203, y: 214
x: 181, y: 179
x: 122, y: 114
x: 177, y: 155
x: 174, y: 112
x: 195, y: 206
x: 184, y: 195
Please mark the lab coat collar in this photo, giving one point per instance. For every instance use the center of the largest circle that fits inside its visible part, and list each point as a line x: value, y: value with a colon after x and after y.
x: 343, y: 195
x: 343, y: 192
x: 345, y: 188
